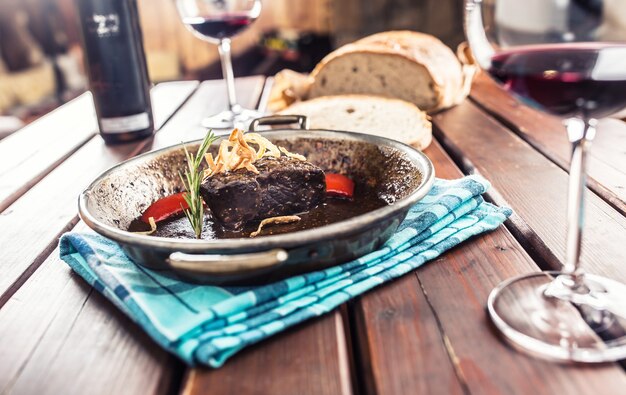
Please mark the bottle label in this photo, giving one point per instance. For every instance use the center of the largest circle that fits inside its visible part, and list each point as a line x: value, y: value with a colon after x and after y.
x: 104, y: 25
x: 125, y: 124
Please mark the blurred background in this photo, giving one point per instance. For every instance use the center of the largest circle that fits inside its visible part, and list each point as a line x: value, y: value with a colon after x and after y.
x: 41, y: 57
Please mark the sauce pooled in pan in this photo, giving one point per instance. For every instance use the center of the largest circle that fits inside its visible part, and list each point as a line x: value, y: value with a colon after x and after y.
x: 248, y: 192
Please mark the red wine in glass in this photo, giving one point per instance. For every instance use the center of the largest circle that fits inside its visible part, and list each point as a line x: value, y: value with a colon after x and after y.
x: 220, y: 26
x: 217, y: 21
x: 566, y: 79
x: 567, y: 58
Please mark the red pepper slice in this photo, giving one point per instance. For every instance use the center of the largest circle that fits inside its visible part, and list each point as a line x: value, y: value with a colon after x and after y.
x: 165, y: 207
x: 339, y: 185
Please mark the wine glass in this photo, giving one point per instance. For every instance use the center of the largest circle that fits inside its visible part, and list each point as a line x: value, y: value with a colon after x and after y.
x: 568, y: 58
x: 216, y: 21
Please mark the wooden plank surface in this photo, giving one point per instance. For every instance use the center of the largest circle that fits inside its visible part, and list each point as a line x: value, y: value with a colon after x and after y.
x: 56, y: 330
x: 457, y: 285
x: 207, y: 100
x: 311, y: 359
x: 72, y: 325
x: 607, y: 173
x: 400, y: 344
x: 48, y: 209
x: 535, y: 188
x: 428, y: 331
x: 54, y: 327
x: 168, y: 97
x: 32, y: 152
x: 59, y: 336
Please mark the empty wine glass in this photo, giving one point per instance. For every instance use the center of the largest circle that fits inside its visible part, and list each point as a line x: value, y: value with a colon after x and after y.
x: 568, y: 58
x: 216, y: 21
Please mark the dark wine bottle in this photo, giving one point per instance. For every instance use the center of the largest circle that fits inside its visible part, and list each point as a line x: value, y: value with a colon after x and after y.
x: 117, y: 69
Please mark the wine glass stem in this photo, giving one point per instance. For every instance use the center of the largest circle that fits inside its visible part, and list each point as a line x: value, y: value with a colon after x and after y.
x: 227, y: 72
x: 581, y: 134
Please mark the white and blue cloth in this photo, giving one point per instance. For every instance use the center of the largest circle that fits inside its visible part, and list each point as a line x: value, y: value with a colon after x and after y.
x: 205, y: 324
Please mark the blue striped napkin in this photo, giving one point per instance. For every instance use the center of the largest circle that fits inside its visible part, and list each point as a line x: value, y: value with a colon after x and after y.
x: 205, y: 324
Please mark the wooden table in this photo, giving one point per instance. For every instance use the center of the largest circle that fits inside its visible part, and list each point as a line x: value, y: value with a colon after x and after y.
x: 426, y: 332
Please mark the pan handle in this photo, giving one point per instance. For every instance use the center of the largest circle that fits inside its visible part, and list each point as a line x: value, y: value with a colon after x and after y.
x: 301, y: 120
x: 224, y: 264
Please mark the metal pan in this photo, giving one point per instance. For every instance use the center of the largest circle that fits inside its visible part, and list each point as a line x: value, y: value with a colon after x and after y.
x: 402, y: 176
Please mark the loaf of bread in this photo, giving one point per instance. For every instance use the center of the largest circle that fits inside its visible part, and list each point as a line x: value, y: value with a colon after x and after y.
x: 407, y: 65
x: 377, y: 115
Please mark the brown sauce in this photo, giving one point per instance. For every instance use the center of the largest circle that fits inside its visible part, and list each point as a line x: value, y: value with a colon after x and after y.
x: 331, y: 211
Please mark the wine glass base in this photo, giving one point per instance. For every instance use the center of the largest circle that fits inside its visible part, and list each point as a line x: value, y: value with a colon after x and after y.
x: 229, y: 119
x: 536, y: 315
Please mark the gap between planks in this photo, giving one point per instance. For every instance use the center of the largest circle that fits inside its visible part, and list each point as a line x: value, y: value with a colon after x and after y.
x: 61, y: 133
x: 34, y: 151
x: 487, y: 95
x: 534, y: 187
x: 20, y: 215
x: 440, y: 314
x: 315, y: 352
x: 72, y: 333
x: 173, y: 384
x: 527, y: 227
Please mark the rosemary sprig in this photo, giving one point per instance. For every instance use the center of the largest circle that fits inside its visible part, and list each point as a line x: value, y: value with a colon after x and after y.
x: 192, y: 178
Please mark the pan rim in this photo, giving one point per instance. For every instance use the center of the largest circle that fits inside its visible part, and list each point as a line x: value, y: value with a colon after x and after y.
x: 285, y: 240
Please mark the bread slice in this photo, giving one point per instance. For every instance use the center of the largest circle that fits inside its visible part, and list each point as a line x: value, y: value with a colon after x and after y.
x: 407, y: 65
x: 380, y: 116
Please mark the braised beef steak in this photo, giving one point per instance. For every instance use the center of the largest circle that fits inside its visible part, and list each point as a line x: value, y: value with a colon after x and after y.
x: 284, y: 186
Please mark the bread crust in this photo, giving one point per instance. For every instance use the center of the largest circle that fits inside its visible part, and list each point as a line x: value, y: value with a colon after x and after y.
x: 422, y: 49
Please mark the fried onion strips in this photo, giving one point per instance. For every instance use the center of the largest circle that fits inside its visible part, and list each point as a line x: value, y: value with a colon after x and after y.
x: 237, y: 152
x: 285, y: 219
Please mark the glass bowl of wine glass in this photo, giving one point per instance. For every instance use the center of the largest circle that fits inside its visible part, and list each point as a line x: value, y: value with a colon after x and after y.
x: 566, y: 58
x: 217, y: 21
